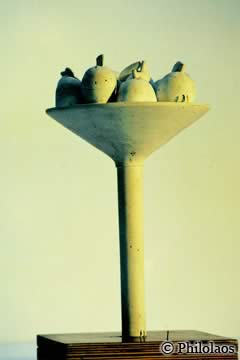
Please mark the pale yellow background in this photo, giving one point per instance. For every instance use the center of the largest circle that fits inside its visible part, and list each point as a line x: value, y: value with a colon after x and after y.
x: 59, y: 257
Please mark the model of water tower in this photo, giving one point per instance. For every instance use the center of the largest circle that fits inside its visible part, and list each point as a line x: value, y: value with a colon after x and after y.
x: 127, y: 116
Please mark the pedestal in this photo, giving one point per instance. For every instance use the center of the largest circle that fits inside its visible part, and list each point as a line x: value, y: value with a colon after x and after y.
x: 128, y: 133
x: 109, y: 346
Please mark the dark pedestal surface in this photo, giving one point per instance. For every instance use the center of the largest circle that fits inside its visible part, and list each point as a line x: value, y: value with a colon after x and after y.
x: 109, y: 346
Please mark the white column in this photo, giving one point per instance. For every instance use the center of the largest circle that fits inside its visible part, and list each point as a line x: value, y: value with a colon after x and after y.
x: 130, y: 205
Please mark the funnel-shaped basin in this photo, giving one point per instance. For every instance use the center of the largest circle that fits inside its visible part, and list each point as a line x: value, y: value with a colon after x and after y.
x: 128, y: 132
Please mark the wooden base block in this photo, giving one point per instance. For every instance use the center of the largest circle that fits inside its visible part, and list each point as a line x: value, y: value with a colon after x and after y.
x: 109, y: 346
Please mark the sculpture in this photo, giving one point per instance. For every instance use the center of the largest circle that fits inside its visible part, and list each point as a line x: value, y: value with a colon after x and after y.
x: 176, y: 86
x: 68, y: 90
x: 98, y: 83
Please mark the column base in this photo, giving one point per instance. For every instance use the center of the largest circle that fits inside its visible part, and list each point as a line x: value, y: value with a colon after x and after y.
x: 109, y: 346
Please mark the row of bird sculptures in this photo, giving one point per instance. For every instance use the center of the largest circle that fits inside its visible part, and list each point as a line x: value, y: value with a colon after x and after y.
x: 100, y: 84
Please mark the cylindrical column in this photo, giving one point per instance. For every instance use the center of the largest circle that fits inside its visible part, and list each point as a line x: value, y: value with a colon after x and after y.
x: 130, y: 206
